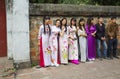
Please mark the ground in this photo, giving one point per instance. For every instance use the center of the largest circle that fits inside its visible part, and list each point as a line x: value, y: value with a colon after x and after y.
x: 106, y: 69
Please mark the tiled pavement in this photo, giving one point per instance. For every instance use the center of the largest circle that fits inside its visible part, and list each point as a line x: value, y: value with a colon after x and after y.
x: 106, y: 69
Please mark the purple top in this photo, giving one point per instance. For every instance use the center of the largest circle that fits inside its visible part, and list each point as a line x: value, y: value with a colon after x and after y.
x: 90, y: 30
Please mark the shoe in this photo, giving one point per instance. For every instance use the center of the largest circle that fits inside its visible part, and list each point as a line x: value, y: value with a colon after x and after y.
x: 65, y: 64
x: 116, y: 57
x: 38, y: 67
x: 111, y: 58
x: 100, y: 59
x: 105, y: 57
x: 52, y: 64
x: 83, y: 61
x: 108, y: 58
x: 56, y: 64
x: 72, y: 61
x: 93, y: 59
x: 76, y: 62
x: 89, y: 59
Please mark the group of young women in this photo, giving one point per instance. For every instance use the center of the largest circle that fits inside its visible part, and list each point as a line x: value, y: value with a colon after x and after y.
x: 60, y: 43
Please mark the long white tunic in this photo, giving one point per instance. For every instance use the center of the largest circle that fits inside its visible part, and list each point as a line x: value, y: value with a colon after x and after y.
x: 54, y: 43
x: 45, y: 45
x: 73, y: 46
x: 83, y: 44
x: 63, y: 45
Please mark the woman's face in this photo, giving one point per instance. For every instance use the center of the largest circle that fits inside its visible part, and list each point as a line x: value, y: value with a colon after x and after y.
x: 57, y: 23
x: 47, y: 21
x: 101, y: 20
x: 73, y: 22
x: 92, y: 21
x: 64, y: 22
x: 82, y: 23
x: 114, y: 20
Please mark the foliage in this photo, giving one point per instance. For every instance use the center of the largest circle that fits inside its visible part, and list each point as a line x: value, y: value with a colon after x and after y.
x: 90, y: 2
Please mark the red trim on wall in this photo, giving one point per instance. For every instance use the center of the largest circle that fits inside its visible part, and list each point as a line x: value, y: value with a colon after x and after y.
x: 3, y: 36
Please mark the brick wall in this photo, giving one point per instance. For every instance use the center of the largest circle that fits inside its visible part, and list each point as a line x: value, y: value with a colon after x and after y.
x: 37, y: 11
x: 35, y: 23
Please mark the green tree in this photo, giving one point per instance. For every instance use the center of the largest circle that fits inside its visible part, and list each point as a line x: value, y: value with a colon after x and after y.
x: 44, y: 1
x: 91, y: 2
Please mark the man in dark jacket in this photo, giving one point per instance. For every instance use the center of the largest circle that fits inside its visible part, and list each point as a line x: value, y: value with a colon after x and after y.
x: 101, y: 39
x: 112, y: 30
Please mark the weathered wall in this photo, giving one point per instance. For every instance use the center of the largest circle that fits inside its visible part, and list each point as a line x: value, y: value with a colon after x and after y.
x: 73, y: 10
x: 37, y: 11
x: 9, y: 12
x: 18, y: 31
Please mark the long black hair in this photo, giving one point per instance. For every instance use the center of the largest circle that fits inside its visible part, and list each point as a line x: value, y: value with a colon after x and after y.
x: 45, y: 18
x: 89, y: 22
x: 80, y: 26
x: 73, y: 19
x: 59, y: 26
x: 64, y: 25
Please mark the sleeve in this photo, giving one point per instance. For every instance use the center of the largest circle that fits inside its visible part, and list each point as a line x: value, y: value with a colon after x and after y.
x: 95, y: 28
x: 40, y: 32
x: 98, y: 34
x: 108, y: 30
x: 104, y: 30
x: 87, y: 30
x: 117, y: 29
x: 79, y: 32
x: 68, y: 31
x: 52, y: 29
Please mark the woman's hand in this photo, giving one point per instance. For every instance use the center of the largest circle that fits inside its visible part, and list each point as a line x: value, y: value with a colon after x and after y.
x: 111, y: 37
x: 62, y: 33
x: 83, y: 35
x: 93, y: 34
x: 39, y: 42
x: 63, y: 28
x: 71, y: 37
x: 102, y: 38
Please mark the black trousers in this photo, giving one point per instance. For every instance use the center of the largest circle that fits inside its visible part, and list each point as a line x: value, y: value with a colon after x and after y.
x: 112, y: 47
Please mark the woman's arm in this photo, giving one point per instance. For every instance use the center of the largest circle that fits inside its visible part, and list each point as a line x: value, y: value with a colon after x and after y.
x: 40, y: 34
x: 87, y: 30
